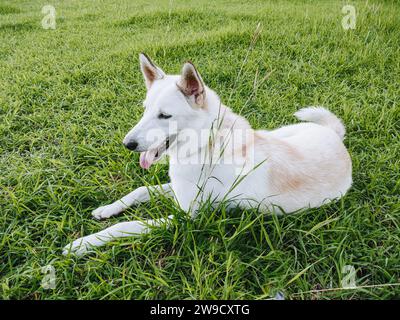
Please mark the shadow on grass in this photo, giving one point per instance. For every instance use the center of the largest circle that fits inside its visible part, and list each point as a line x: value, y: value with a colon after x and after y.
x: 4, y: 9
x: 18, y: 27
x: 202, y: 20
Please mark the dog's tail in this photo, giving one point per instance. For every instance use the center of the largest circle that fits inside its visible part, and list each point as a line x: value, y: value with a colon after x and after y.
x: 322, y: 117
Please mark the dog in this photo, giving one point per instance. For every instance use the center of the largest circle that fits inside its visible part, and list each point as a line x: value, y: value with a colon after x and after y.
x: 294, y: 167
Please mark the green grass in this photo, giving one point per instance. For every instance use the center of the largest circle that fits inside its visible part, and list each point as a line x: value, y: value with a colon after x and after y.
x: 68, y: 96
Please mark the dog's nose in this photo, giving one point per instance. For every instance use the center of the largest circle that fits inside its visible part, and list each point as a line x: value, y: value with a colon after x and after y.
x: 131, y: 145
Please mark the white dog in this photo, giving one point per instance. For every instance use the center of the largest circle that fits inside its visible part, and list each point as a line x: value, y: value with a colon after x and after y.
x: 298, y: 166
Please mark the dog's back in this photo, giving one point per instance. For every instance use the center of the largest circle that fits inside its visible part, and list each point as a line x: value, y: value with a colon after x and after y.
x: 297, y: 166
x: 309, y: 164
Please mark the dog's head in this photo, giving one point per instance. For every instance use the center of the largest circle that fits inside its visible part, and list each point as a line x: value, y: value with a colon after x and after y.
x: 173, y: 103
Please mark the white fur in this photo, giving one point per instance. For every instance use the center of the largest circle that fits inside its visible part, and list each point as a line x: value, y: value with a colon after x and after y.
x: 296, y: 166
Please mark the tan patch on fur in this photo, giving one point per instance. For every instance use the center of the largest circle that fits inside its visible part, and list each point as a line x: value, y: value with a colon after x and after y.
x: 244, y: 150
x: 274, y: 143
x: 285, y: 182
x: 329, y: 171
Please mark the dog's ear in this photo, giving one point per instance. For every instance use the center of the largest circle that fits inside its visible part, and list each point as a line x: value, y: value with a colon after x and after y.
x: 150, y: 71
x: 191, y: 85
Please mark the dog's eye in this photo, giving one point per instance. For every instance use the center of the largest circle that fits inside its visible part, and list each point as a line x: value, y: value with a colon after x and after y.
x: 164, y: 116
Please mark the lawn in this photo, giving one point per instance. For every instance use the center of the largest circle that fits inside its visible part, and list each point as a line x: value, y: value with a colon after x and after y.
x: 68, y: 96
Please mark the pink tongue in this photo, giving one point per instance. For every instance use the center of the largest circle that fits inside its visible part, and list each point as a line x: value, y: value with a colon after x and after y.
x: 147, y: 158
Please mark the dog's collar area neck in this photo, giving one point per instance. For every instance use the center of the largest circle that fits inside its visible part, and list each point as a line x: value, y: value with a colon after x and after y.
x: 215, y: 131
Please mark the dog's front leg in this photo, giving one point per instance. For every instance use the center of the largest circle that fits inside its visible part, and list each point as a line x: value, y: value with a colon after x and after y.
x: 119, y: 230
x: 141, y: 194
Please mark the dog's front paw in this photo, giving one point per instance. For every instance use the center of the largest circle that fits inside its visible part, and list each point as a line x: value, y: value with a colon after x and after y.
x: 105, y: 212
x: 78, y: 247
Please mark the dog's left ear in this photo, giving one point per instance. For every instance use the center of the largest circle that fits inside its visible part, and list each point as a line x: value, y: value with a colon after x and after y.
x: 150, y: 71
x: 191, y: 85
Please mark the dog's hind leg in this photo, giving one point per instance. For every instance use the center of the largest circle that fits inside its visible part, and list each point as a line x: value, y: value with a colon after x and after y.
x: 119, y: 230
x: 141, y: 194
